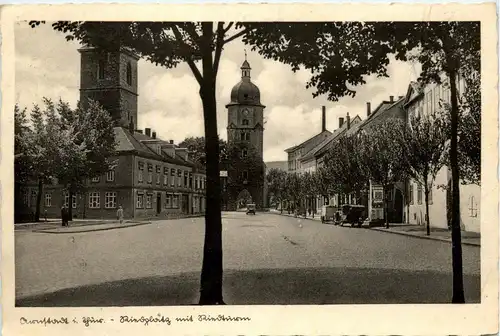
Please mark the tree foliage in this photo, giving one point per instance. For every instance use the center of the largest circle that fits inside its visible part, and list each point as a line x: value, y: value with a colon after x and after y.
x: 276, y: 179
x: 424, y: 144
x: 196, y: 147
x: 345, y: 165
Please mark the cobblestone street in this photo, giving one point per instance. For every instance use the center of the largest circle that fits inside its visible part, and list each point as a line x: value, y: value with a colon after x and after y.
x: 267, y: 259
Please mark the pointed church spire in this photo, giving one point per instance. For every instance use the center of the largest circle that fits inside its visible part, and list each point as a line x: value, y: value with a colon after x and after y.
x: 245, y: 67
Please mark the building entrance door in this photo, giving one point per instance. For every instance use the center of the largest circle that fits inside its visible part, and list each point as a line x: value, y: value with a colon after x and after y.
x: 158, y: 203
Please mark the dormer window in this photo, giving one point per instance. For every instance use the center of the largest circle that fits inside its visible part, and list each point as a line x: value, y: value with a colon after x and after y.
x: 158, y: 149
x: 129, y: 73
x: 244, y: 122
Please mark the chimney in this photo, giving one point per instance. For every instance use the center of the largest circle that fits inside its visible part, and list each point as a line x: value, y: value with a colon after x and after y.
x: 154, y: 135
x: 348, y: 121
x: 368, y: 109
x: 171, y: 142
x: 391, y: 99
x: 323, y: 120
x: 341, y: 122
x: 147, y: 131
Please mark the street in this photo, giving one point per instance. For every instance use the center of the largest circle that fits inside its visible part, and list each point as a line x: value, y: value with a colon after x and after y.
x: 268, y: 259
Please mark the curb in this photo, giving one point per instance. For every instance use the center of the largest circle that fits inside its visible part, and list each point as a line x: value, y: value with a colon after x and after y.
x: 423, y: 237
x: 394, y: 232
x: 93, y: 230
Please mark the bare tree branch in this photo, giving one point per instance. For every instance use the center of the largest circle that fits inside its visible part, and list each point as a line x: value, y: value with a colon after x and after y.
x: 228, y: 27
x: 218, y: 46
x: 237, y: 35
x: 189, y: 61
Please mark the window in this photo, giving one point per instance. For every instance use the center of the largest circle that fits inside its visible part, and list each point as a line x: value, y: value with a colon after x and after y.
x: 94, y: 200
x: 419, y: 193
x: 96, y: 179
x: 186, y: 176
x: 129, y: 73
x: 410, y: 191
x: 175, y: 201
x: 245, y: 136
x: 149, y: 203
x: 158, y: 149
x: 110, y: 200
x: 158, y: 172
x: 73, y: 201
x: 141, y: 172
x: 101, y: 66
x: 179, y: 177
x: 172, y: 175
x: 165, y: 178
x: 140, y: 201
x: 48, y: 200
x: 244, y: 122
x: 150, y: 177
x: 196, y: 183
x: 244, y: 175
x: 168, y: 201
x: 26, y: 197
x: 244, y: 153
x: 472, y: 206
x: 110, y: 176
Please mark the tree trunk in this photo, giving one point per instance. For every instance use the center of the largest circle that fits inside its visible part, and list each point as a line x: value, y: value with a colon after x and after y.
x: 427, y: 220
x: 212, y: 268
x: 458, y: 285
x: 38, y: 200
x: 386, y: 207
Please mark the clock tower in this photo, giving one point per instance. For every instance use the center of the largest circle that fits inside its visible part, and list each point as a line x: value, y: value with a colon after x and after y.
x: 245, y: 138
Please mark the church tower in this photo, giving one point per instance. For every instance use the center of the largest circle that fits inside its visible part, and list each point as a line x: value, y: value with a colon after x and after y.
x: 245, y: 138
x: 111, y: 79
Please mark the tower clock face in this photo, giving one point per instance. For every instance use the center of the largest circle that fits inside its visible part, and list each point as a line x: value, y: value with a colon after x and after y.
x: 245, y: 112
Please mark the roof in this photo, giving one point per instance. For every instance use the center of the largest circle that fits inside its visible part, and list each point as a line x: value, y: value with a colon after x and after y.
x: 309, y: 141
x: 128, y: 142
x: 323, y: 146
x: 386, y: 109
x: 245, y: 92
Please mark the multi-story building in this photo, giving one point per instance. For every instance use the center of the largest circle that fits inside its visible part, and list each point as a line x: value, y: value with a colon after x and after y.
x: 427, y: 100
x: 151, y: 177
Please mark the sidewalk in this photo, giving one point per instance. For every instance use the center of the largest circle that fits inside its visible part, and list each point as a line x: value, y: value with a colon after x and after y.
x: 110, y: 225
x: 417, y: 231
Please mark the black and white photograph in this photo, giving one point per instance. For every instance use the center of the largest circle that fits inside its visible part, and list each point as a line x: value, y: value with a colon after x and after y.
x: 250, y: 163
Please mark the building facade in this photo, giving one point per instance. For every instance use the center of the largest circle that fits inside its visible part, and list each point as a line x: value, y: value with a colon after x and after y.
x: 150, y: 178
x: 430, y: 99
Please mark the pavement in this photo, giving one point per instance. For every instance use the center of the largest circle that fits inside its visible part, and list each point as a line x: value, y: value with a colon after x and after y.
x: 418, y: 231
x: 268, y: 259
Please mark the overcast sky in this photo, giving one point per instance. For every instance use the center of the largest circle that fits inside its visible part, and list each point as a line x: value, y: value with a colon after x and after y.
x: 49, y: 66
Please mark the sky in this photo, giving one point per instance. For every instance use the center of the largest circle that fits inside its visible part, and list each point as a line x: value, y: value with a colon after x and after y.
x: 49, y: 66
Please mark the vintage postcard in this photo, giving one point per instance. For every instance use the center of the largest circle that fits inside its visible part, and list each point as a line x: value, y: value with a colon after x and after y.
x: 249, y: 169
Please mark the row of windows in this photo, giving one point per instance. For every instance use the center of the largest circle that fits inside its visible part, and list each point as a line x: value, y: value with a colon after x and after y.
x: 110, y: 177
x: 94, y: 200
x: 420, y: 194
x: 176, y: 177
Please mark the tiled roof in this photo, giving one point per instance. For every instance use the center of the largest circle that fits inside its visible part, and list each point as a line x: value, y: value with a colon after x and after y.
x: 323, y: 146
x: 385, y: 110
x: 128, y: 142
x: 308, y: 141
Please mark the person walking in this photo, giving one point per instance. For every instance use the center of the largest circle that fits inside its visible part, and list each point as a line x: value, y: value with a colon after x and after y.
x: 119, y: 214
x: 64, y: 216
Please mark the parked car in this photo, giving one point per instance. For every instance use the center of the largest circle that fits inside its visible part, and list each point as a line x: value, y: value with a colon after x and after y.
x: 353, y: 214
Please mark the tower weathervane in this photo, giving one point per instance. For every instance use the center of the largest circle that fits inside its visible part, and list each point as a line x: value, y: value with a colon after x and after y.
x: 245, y: 54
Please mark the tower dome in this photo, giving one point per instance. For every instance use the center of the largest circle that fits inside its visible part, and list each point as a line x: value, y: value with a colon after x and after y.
x: 245, y: 92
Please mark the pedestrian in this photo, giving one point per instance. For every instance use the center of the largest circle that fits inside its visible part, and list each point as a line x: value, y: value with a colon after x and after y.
x: 64, y: 216
x: 119, y: 214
